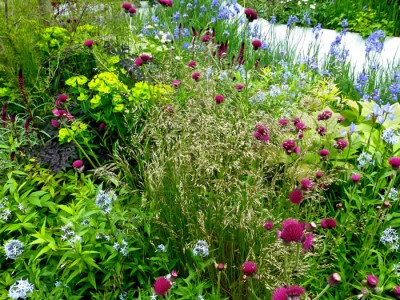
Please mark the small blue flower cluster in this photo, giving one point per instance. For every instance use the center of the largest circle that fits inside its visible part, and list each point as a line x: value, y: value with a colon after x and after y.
x: 374, y: 42
x: 339, y: 53
x: 361, y: 82
x: 317, y: 30
x: 292, y: 20
x: 394, y: 88
x: 306, y: 19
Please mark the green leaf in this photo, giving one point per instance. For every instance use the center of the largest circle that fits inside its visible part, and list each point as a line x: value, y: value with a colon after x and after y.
x: 92, y: 280
x: 43, y: 251
x: 66, y: 209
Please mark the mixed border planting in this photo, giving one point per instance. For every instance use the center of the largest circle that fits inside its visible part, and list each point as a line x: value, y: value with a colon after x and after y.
x: 177, y: 150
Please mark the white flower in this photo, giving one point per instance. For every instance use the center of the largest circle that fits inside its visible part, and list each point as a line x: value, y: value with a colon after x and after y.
x: 5, y: 214
x: 201, y: 248
x: 161, y: 248
x: 365, y: 159
x: 312, y: 6
x: 13, y: 249
x: 390, y: 238
x: 20, y: 289
x: 389, y: 136
x: 104, y: 200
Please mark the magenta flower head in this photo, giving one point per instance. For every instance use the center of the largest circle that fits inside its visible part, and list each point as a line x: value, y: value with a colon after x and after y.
x: 328, y: 223
x: 145, y: 57
x: 206, y: 38
x: 321, y: 130
x: 289, y: 146
x: 126, y: 6
x: 355, y: 177
x: 166, y: 2
x: 324, y: 152
x: 295, y: 291
x: 88, y: 43
x: 306, y: 184
x: 219, y: 98
x: 268, y: 225
x: 176, y: 83
x: 251, y: 15
x: 279, y: 294
x: 62, y: 97
x: 292, y: 231
x: 239, y: 86
x: 132, y: 11
x: 174, y: 276
x: 334, y: 279
x: 77, y: 164
x: 256, y: 44
x: 296, y: 196
x: 308, y: 241
x: 249, y: 268
x: 161, y: 286
x: 372, y: 281
x: 319, y: 174
x: 341, y: 144
x: 283, y: 122
x: 264, y: 138
x: 340, y: 119
x: 396, y: 292
x: 394, y: 162
x: 196, y: 76
x: 55, y: 123
x: 325, y: 115
x: 257, y: 135
x: 138, y: 62
x: 192, y: 64
x: 300, y: 126
x: 102, y: 126
x: 261, y: 128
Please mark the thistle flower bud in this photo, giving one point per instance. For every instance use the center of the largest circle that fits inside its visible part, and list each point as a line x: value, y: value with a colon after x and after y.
x: 334, y: 279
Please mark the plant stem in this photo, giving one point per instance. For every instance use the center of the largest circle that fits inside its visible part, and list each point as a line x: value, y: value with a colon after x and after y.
x: 6, y: 12
x: 297, y: 257
x: 322, y: 292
